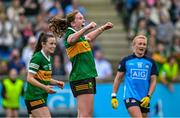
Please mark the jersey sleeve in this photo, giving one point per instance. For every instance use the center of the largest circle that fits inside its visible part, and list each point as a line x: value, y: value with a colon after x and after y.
x: 154, y: 70
x: 121, y: 66
x: 68, y: 33
x: 34, y: 64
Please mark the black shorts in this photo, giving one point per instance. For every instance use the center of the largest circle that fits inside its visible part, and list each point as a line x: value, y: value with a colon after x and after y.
x: 35, y: 104
x: 133, y: 102
x: 85, y: 86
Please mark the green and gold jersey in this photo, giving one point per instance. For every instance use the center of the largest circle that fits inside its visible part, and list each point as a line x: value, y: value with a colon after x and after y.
x: 80, y: 54
x: 41, y: 66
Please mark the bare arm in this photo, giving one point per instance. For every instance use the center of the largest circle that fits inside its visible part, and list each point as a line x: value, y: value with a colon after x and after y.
x: 117, y: 81
x: 92, y: 35
x: 57, y: 83
x: 75, y: 37
x: 152, y: 84
x: 33, y: 81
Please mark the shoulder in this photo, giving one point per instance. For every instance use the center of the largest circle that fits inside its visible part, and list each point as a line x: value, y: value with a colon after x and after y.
x: 128, y: 57
x: 149, y: 59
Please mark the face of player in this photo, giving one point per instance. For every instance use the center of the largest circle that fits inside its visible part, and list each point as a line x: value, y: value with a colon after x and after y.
x: 140, y: 46
x: 50, y: 45
x: 79, y: 21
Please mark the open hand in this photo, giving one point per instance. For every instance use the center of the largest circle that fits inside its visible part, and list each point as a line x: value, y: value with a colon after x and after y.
x: 60, y: 84
x: 49, y: 89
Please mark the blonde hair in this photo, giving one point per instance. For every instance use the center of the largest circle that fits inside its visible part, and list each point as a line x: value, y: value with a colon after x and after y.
x: 137, y: 37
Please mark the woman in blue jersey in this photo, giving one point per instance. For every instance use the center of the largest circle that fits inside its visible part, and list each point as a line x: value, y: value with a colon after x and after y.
x: 140, y: 74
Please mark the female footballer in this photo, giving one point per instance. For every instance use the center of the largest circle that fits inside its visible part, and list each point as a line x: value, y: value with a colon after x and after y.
x: 76, y: 40
x: 39, y: 77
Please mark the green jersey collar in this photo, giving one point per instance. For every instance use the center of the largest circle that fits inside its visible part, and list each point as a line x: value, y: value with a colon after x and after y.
x: 72, y: 29
x: 48, y: 58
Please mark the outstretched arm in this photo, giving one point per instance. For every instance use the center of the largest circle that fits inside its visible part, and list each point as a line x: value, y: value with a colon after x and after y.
x: 92, y: 35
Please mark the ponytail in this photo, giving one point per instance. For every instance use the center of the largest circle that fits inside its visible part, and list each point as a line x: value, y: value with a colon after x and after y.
x: 58, y: 25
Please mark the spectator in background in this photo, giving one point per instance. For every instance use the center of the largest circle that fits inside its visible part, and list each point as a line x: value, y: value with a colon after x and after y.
x: 14, y: 10
x: 29, y: 50
x: 169, y: 72
x: 103, y: 67
x: 165, y: 31
x: 3, y: 68
x: 16, y: 62
x: 12, y: 89
x: 75, y: 6
x: 58, y: 68
x: 160, y: 55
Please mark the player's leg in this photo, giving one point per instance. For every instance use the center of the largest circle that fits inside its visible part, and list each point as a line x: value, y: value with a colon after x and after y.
x: 84, y: 91
x: 41, y: 112
x: 135, y: 111
x: 37, y: 108
x: 145, y: 111
x: 133, y: 107
x: 85, y: 105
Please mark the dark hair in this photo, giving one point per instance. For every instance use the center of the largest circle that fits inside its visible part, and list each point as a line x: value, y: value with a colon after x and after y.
x: 59, y: 25
x: 42, y: 38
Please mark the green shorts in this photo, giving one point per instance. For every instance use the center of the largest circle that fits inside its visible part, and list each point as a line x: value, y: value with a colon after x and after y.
x: 35, y: 104
x: 85, y: 86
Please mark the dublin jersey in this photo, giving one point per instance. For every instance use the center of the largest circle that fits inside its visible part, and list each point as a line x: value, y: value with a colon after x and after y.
x: 41, y: 66
x: 80, y: 54
x: 137, y: 72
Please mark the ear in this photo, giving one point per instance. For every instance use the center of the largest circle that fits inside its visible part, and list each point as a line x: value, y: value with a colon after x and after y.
x: 72, y: 24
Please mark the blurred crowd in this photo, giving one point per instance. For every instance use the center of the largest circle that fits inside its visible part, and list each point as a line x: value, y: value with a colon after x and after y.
x: 159, y: 20
x: 21, y: 21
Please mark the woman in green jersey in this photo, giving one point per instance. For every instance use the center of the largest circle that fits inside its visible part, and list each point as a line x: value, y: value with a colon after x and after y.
x: 83, y: 73
x: 39, y: 78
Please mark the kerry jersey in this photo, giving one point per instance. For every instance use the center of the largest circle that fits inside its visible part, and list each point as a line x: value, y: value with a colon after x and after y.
x: 41, y: 66
x: 81, y: 57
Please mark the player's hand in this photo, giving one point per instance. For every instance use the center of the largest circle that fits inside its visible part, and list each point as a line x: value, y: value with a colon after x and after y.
x: 145, y: 101
x: 91, y: 25
x: 60, y: 84
x: 114, y: 103
x: 107, y: 26
x: 49, y: 89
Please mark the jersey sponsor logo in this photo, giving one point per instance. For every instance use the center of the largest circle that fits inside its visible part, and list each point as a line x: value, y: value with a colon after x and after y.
x: 139, y: 74
x: 47, y: 67
x: 34, y: 66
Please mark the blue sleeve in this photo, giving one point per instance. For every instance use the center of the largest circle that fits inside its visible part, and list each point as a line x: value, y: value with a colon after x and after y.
x: 154, y: 70
x: 122, y: 66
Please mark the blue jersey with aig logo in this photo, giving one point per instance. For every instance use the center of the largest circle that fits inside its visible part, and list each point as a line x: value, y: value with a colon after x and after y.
x: 137, y: 72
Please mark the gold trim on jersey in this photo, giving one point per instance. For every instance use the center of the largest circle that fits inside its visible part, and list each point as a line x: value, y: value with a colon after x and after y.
x: 43, y: 75
x: 78, y: 48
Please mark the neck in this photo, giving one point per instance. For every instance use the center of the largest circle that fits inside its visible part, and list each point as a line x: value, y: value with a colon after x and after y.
x: 139, y: 55
x: 46, y: 53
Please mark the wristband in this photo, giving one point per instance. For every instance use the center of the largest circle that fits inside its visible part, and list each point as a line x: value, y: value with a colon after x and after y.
x: 149, y: 96
x: 113, y: 95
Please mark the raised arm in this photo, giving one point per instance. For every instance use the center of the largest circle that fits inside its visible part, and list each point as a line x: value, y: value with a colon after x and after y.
x: 75, y: 36
x: 93, y: 34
